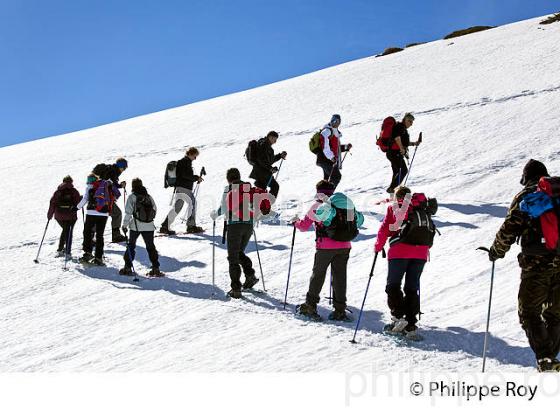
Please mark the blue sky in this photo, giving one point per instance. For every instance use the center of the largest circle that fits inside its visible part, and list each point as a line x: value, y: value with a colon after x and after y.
x: 74, y: 64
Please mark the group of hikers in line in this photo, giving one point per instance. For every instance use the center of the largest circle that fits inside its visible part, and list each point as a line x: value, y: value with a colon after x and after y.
x: 407, y: 226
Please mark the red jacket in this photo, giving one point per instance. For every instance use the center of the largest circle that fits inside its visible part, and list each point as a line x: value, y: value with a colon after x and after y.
x: 62, y: 215
x: 398, y: 250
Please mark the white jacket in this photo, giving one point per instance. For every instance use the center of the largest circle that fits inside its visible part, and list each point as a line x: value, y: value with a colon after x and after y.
x: 133, y: 224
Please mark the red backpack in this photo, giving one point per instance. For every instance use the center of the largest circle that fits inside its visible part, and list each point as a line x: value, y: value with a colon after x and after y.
x: 241, y: 202
x: 385, y: 141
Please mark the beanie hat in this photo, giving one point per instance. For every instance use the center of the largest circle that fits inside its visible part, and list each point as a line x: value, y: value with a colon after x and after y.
x: 67, y: 179
x: 121, y: 163
x: 533, y: 171
x: 335, y: 118
x: 325, y: 187
x: 91, y: 179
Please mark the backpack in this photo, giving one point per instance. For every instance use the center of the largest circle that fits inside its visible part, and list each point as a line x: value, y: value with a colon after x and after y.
x: 251, y: 152
x: 170, y: 178
x: 101, y: 197
x: 315, y: 141
x: 102, y: 171
x: 144, y: 209
x: 342, y: 219
x: 384, y: 141
x: 65, y: 200
x: 238, y: 206
x: 419, y: 228
x: 543, y: 209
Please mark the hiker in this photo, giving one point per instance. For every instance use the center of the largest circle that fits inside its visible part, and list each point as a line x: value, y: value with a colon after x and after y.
x: 328, y: 156
x: 63, y: 207
x: 99, y: 199
x: 185, y: 179
x: 406, y: 258
x: 539, y: 290
x: 397, y: 150
x: 112, y: 172
x: 140, y: 211
x: 263, y: 159
x: 236, y: 206
x: 336, y: 223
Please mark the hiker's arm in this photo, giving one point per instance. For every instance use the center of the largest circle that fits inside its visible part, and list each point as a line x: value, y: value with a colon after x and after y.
x: 52, y: 206
x: 511, y: 229
x: 128, y: 210
x: 84, y: 200
x: 399, y: 143
x: 325, y: 134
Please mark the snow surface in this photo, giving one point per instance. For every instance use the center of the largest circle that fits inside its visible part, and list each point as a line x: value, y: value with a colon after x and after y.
x: 486, y: 103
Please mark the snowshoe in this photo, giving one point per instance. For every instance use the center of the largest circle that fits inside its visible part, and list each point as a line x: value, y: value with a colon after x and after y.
x: 60, y: 254
x: 86, y: 258
x: 155, y: 273
x: 309, y: 312
x: 97, y: 262
x: 397, y: 326
x: 126, y: 271
x: 340, y: 316
x: 410, y: 332
x: 548, y: 365
x: 164, y: 230
x: 118, y: 237
x: 235, y: 294
x: 250, y: 281
x: 194, y: 229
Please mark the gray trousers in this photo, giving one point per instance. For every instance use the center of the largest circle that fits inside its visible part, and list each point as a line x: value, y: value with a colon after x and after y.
x: 178, y: 199
x: 116, y: 218
x: 337, y: 259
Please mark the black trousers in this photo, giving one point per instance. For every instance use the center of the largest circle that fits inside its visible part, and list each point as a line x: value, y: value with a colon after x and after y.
x: 238, y: 236
x: 398, y: 166
x: 130, y: 253
x: 409, y: 304
x: 94, y: 223
x: 274, y: 187
x: 331, y: 172
x: 337, y: 259
x: 65, y: 241
x: 539, y: 311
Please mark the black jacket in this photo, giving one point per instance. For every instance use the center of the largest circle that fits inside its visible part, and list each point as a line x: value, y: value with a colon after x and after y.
x: 185, y: 174
x: 264, y: 159
x: 108, y: 172
x: 399, y: 130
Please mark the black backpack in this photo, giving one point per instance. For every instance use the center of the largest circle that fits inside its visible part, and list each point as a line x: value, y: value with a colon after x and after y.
x: 102, y: 171
x: 251, y: 152
x: 170, y: 178
x: 65, y: 200
x: 419, y: 228
x: 144, y: 209
x: 343, y: 226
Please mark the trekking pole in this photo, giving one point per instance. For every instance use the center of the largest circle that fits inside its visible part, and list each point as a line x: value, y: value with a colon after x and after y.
x: 36, y: 260
x: 290, y: 266
x: 68, y: 241
x: 259, y: 258
x: 412, y: 160
x: 214, y: 253
x: 365, y: 296
x: 330, y: 290
x: 131, y: 262
x: 277, y: 172
x: 489, y: 309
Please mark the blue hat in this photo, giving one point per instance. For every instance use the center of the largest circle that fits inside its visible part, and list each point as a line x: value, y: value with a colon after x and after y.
x: 121, y: 163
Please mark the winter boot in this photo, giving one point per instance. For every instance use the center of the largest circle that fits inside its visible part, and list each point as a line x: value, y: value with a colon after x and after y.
x: 235, y: 294
x: 194, y: 229
x: 397, y: 326
x: 309, y: 311
x: 546, y: 365
x: 166, y: 231
x: 97, y: 262
x: 411, y: 332
x: 118, y: 236
x: 340, y: 316
x: 126, y: 271
x: 250, y: 281
x: 86, y: 258
x: 155, y: 273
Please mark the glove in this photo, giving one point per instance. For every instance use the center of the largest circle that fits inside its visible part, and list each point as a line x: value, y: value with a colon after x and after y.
x: 74, y: 209
x: 492, y: 255
x: 284, y: 154
x: 348, y: 147
x: 294, y: 220
x: 123, y: 184
x: 274, y: 170
x: 214, y: 215
x: 125, y: 230
x: 378, y: 248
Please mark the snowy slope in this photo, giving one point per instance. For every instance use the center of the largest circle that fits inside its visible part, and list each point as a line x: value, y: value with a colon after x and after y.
x: 486, y: 103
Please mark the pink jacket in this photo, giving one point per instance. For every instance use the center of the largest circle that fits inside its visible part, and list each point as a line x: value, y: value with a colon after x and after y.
x: 398, y: 250
x: 321, y: 242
